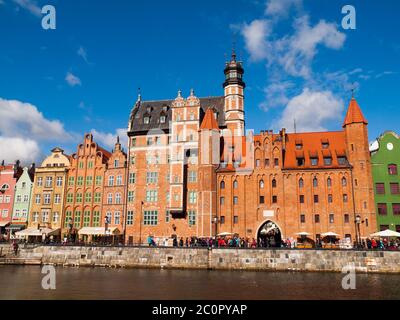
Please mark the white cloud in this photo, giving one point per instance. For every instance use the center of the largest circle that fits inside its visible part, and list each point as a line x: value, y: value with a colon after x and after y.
x: 255, y: 35
x: 83, y: 54
x: 19, y: 119
x: 311, y: 110
x: 30, y: 6
x: 72, y: 80
x: 108, y: 140
x: 12, y: 149
x: 281, y: 7
x: 276, y: 94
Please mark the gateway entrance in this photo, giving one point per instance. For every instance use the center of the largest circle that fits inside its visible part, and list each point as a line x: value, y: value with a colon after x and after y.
x: 269, y: 235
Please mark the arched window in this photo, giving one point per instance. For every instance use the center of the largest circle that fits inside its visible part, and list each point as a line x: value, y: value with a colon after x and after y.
x: 222, y: 185
x: 235, y: 184
x: 344, y: 182
x: 4, y: 187
x: 392, y: 169
x: 261, y: 184
x: 315, y: 182
x: 273, y: 183
x: 329, y: 182
x: 301, y: 183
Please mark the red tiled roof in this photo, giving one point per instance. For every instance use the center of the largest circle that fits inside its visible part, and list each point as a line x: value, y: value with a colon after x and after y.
x: 354, y: 114
x: 312, y: 147
x: 209, y: 121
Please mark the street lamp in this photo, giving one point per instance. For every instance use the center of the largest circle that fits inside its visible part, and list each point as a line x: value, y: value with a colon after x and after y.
x: 140, y: 224
x: 70, y: 225
x: 215, y: 220
x: 106, y: 222
x: 358, y: 235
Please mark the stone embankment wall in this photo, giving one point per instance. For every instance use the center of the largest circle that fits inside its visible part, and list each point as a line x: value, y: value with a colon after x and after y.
x: 218, y: 259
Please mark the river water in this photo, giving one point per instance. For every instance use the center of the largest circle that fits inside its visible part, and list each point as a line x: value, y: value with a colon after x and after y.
x: 24, y: 282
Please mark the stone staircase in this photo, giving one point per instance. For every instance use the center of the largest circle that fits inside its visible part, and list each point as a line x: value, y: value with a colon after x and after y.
x: 7, y: 257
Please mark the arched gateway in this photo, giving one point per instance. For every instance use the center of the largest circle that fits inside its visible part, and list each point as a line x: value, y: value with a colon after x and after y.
x: 269, y: 235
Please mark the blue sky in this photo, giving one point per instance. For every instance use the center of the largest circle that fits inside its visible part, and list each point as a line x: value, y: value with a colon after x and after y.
x: 300, y: 64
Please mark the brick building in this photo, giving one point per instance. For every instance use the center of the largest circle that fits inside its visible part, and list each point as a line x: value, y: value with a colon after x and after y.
x: 193, y: 172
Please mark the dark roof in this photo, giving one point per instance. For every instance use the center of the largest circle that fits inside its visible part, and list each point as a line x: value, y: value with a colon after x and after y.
x: 140, y: 110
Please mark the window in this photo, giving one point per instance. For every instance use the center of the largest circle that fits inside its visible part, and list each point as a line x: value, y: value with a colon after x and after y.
x: 86, y: 219
x: 1, y: 199
x: 56, y: 217
x: 331, y: 218
x: 119, y: 180
x: 301, y: 183
x: 39, y: 182
x: 46, y: 199
x: 97, y: 197
x: 222, y: 220
x: 111, y: 181
x: 316, y: 218
x: 108, y: 217
x: 342, y: 161
x: 384, y: 227
x: 49, y: 182
x: 392, y: 169
x: 266, y: 162
x: 345, y: 198
x: 394, y: 188
x: 70, y: 198
x: 162, y: 119
x: 316, y: 198
x: 45, y: 216
x: 327, y: 161
x: 96, y: 219
x: 80, y: 181
x: 18, y: 198
x: 79, y: 197
x: 235, y: 184
x: 57, y: 198
x: 396, y: 209
x: 314, y: 161
x: 235, y: 219
x: 99, y: 180
x: 329, y: 182
x: 273, y: 183
x: 235, y: 200
x: 276, y: 162
x: 330, y: 198
x: 274, y: 199
x: 261, y: 184
x: 88, y: 197
x: 90, y: 164
x: 300, y: 162
x: 315, y: 182
x: 59, y: 182
x: 68, y: 217
x: 23, y: 185
x: 192, y: 217
x: 109, y: 198
x: 302, y: 218
x: 117, y: 217
x: 380, y: 188
x: 325, y: 145
x: 344, y: 182
x: 7, y: 199
x: 26, y: 198
x: 132, y: 178
x: 346, y: 218
x: 35, y: 217
x: 89, y: 181
x: 257, y: 163
x: 131, y: 196
x: 80, y: 164
x: 299, y: 146
x: 192, y: 197
x: 151, y: 195
x: 192, y: 176
x: 150, y: 218
x: 133, y: 142
x: 146, y: 120
x: 116, y: 163
x: 151, y: 177
x: 262, y: 200
x: 77, y: 220
x: 222, y: 185
x: 71, y: 181
x: 382, y: 209
x: 301, y: 199
x: 222, y: 201
x: 129, y: 218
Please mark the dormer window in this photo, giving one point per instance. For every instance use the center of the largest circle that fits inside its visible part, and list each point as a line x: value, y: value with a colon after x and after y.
x: 327, y: 161
x: 146, y: 120
x: 342, y: 161
x: 299, y: 144
x: 325, y: 143
x: 314, y: 161
x: 300, y: 162
x: 233, y: 74
x: 165, y: 108
x: 162, y: 119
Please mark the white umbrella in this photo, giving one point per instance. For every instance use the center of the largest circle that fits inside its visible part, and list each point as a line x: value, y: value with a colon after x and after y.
x: 386, y: 233
x: 330, y: 234
x: 303, y: 233
x: 225, y: 234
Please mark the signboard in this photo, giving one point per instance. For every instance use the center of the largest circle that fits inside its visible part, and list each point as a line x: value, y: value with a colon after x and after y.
x: 268, y: 213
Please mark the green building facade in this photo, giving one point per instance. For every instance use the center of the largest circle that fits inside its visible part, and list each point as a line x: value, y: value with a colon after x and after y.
x: 385, y: 158
x: 22, y: 199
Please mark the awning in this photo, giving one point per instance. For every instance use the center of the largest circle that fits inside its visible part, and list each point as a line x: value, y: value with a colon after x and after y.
x: 4, y: 223
x: 387, y: 233
x: 330, y: 234
x: 15, y: 227
x: 35, y: 232
x: 305, y: 234
x: 98, y: 231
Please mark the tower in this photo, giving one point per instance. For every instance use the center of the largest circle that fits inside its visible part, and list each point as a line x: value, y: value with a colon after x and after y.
x: 234, y: 96
x: 356, y: 134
